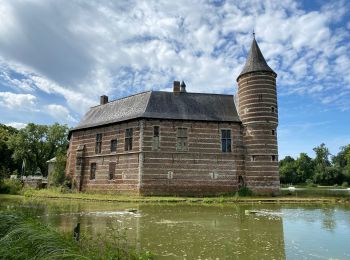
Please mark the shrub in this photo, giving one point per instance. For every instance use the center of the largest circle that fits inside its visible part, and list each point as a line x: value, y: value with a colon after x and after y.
x: 310, y: 183
x: 11, y: 186
x: 345, y: 184
x: 245, y: 191
x: 57, y: 176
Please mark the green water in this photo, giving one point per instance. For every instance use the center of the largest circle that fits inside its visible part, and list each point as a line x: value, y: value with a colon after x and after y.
x: 180, y: 231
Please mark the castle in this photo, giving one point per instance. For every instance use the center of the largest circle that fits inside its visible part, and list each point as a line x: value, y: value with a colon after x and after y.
x: 180, y: 143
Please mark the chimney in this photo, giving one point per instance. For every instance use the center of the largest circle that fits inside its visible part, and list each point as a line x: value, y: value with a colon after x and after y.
x: 183, y: 87
x: 176, y: 86
x: 103, y: 100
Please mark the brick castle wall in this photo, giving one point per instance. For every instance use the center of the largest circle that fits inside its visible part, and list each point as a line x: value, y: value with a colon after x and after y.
x: 127, y: 162
x: 202, y: 169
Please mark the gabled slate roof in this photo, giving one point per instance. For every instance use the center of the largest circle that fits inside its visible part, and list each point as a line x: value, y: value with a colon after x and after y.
x: 163, y: 105
x: 255, y: 61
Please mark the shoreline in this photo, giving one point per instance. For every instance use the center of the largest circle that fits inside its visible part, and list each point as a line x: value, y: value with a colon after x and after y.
x: 196, y: 200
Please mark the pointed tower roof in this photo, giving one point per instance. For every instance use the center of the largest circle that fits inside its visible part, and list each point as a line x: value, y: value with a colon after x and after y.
x: 255, y: 61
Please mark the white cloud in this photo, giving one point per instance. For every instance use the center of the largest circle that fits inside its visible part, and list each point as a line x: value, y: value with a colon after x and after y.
x: 118, y: 48
x: 21, y: 102
x: 60, y: 112
x: 17, y: 125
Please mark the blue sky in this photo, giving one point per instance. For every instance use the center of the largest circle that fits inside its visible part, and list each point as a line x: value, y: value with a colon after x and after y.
x: 58, y: 57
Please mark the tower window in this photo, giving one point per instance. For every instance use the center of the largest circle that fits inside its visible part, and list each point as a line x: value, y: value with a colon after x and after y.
x: 114, y: 143
x: 273, y: 158
x: 225, y: 140
x: 98, y: 145
x: 93, y: 171
x: 273, y: 132
x: 253, y: 158
x: 128, y: 139
x: 156, y: 144
x: 273, y: 109
x: 181, y: 139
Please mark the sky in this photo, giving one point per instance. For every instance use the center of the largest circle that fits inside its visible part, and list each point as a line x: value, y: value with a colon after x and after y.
x: 58, y: 57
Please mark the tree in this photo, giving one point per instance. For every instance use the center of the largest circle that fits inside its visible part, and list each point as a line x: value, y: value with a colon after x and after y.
x: 321, y: 163
x: 7, y: 165
x: 36, y: 144
x: 305, y: 167
x: 331, y: 175
x: 342, y: 162
x: 287, y: 169
x: 58, y: 175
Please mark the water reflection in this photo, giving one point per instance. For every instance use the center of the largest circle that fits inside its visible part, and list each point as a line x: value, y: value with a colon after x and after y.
x: 207, y: 231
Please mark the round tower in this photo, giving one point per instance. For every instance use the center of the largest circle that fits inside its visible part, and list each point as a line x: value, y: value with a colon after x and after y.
x: 258, y: 111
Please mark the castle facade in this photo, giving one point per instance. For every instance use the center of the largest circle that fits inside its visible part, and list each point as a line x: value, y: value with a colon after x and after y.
x: 181, y: 143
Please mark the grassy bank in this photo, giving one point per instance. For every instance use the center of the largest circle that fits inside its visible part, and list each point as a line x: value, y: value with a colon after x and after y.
x: 22, y: 237
x: 285, y: 197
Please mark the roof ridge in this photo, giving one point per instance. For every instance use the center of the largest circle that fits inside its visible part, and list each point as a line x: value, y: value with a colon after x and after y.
x: 143, y: 92
x: 146, y: 107
x: 196, y: 93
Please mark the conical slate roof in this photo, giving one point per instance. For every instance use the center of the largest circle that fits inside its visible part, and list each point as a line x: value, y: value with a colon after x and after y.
x: 255, y: 61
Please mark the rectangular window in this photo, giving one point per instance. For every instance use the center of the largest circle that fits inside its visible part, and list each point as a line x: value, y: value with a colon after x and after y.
x: 98, y: 146
x: 182, y: 143
x: 128, y: 139
x: 226, y: 140
x: 93, y: 171
x: 111, y: 170
x: 114, y: 143
x: 156, y: 144
x: 273, y: 158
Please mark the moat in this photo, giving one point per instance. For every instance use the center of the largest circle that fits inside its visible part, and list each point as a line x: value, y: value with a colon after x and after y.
x: 192, y: 231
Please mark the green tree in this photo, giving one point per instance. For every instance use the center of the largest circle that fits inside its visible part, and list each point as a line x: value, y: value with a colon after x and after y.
x: 288, y: 171
x: 58, y: 175
x: 342, y: 162
x: 321, y: 163
x: 331, y: 175
x: 305, y: 167
x: 7, y: 165
x: 36, y: 144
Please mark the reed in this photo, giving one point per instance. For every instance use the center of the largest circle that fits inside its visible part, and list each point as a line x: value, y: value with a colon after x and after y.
x: 23, y: 237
